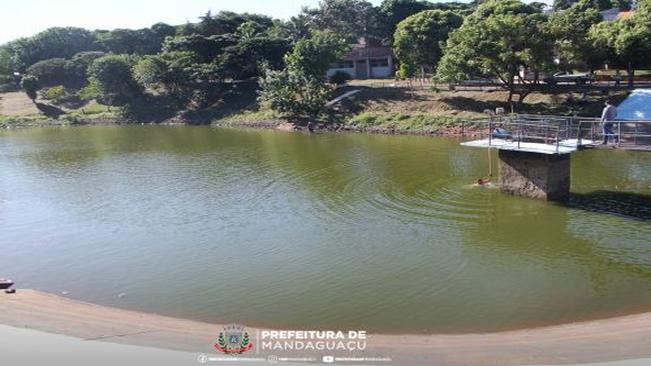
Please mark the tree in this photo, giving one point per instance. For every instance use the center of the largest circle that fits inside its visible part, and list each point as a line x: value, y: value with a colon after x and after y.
x: 627, y: 41
x: 498, y: 40
x: 315, y: 55
x: 30, y: 84
x: 173, y: 71
x: 49, y: 72
x: 162, y: 31
x: 295, y: 92
x: 395, y: 11
x: 128, y: 41
x: 55, y: 42
x: 350, y: 18
x: 6, y: 63
x: 112, y: 78
x: 254, y: 47
x: 594, y: 4
x: 206, y: 47
x: 299, y: 26
x: 227, y: 22
x: 58, y: 71
x: 569, y: 28
x: 76, y: 68
x: 418, y: 39
x: 300, y: 89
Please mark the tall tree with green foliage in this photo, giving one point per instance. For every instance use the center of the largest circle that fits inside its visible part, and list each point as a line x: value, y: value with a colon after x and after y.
x: 111, y: 76
x: 254, y: 47
x: 417, y: 41
x: 227, y: 22
x: 144, y: 41
x: 49, y: 72
x: 569, y: 29
x: 300, y: 89
x: 627, y: 41
x: 395, y: 11
x: 6, y: 62
x: 594, y: 4
x: 173, y: 72
x: 352, y: 19
x: 206, y: 47
x: 76, y: 68
x: 58, y: 42
x: 497, y: 41
x: 316, y: 54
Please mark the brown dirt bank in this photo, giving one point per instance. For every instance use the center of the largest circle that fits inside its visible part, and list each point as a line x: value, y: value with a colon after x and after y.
x: 593, y: 341
x: 290, y: 126
x: 272, y: 124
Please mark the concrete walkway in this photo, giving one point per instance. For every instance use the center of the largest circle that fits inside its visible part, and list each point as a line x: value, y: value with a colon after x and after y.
x: 121, y: 336
x: 24, y: 347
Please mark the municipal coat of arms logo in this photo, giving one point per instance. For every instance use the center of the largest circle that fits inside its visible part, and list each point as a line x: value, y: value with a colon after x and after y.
x: 233, y: 339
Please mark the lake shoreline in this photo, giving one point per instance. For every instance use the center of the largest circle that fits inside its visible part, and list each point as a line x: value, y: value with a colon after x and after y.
x: 625, y: 336
x: 286, y: 125
x: 268, y: 124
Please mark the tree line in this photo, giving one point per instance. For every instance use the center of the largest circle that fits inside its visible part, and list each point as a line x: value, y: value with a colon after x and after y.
x: 190, y: 66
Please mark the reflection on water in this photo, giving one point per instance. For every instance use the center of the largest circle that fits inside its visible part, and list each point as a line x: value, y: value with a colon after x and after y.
x: 383, y: 233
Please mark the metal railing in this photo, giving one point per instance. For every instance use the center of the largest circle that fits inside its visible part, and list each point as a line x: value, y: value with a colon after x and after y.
x: 634, y: 135
x: 560, y: 130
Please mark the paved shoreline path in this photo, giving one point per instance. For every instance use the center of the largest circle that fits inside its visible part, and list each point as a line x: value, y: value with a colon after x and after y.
x: 619, y: 338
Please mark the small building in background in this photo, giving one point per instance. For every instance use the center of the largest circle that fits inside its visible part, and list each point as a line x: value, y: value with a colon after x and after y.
x: 367, y: 59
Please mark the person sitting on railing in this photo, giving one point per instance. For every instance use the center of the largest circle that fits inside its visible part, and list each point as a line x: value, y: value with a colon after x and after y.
x: 608, y: 115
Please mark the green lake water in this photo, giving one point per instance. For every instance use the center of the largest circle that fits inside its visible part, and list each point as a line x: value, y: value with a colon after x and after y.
x: 327, y: 231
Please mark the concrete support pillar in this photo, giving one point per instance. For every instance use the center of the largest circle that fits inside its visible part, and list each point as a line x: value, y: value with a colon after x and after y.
x: 534, y: 175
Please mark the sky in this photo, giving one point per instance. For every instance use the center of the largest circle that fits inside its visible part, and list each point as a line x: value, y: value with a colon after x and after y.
x: 21, y: 18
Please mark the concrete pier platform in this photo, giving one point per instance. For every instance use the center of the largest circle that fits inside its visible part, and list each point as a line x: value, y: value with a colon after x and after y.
x: 535, y: 175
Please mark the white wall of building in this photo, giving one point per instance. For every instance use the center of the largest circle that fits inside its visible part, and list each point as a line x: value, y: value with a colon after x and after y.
x: 384, y: 71
x: 381, y: 72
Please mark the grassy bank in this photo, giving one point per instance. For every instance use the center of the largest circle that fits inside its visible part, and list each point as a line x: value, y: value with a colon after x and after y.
x: 17, y: 110
x: 381, y: 106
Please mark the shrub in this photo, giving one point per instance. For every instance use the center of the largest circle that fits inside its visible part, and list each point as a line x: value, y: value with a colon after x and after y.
x: 406, y: 71
x: 49, y: 72
x: 77, y: 68
x: 292, y: 91
x: 89, y: 92
x: 31, y: 85
x: 111, y: 74
x: 54, y: 93
x: 340, y: 78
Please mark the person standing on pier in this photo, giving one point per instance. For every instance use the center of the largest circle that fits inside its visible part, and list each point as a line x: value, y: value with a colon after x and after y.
x: 608, y: 115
